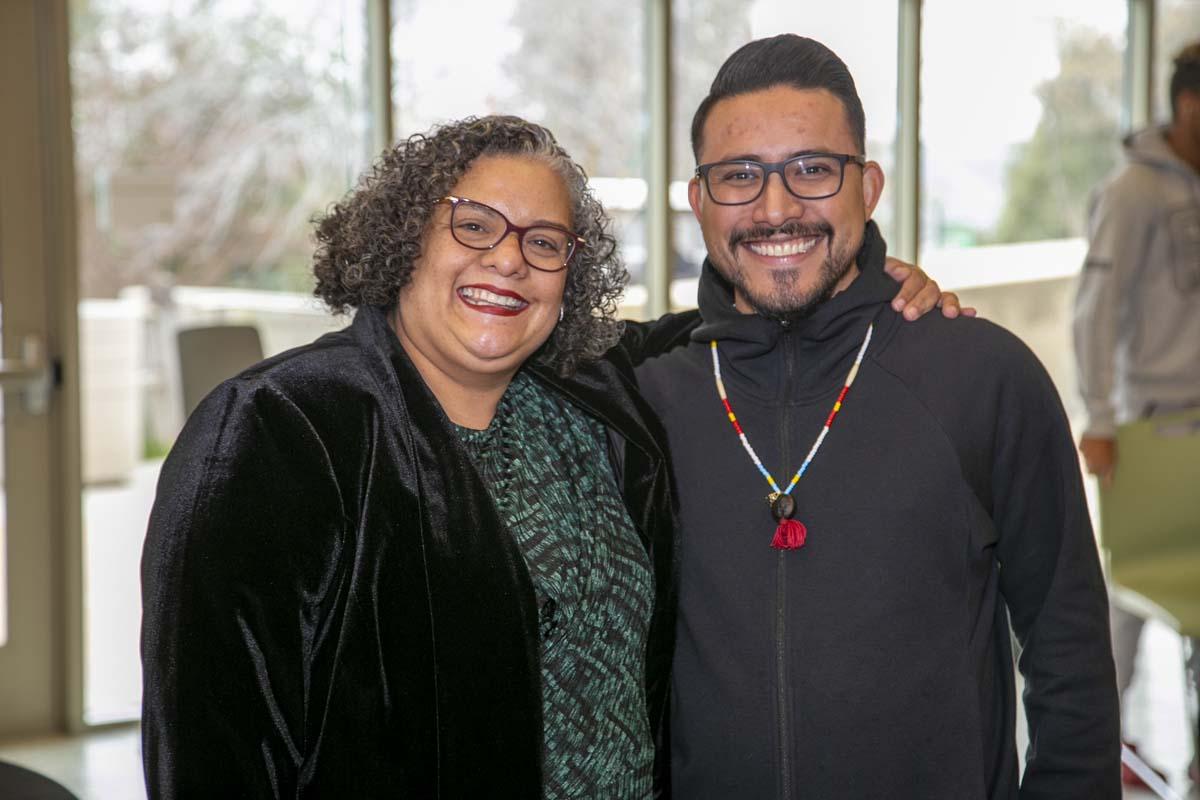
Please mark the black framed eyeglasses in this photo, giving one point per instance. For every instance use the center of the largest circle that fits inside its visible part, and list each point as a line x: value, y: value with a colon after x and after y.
x: 812, y: 176
x: 548, y: 248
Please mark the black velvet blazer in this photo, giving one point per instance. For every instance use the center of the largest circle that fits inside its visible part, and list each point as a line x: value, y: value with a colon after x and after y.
x: 332, y: 606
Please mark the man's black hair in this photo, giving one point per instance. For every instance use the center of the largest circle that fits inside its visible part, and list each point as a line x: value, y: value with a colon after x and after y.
x: 1186, y: 77
x: 784, y: 60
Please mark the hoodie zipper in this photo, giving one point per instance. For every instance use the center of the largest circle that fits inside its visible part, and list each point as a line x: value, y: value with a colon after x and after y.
x: 781, y: 682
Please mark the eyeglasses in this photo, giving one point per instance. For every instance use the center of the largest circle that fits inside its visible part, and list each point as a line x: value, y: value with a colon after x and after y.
x: 548, y: 248
x: 813, y: 176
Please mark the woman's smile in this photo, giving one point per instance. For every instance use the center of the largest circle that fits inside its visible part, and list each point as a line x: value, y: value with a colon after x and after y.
x: 488, y: 299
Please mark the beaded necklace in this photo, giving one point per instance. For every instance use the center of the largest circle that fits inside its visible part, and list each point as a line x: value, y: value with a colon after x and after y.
x: 790, y: 534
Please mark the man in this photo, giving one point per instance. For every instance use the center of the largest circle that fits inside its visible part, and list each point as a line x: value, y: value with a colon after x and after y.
x: 1137, y: 311
x: 855, y: 643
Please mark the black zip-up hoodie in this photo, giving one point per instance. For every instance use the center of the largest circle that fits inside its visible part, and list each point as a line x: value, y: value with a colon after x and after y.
x: 875, y: 662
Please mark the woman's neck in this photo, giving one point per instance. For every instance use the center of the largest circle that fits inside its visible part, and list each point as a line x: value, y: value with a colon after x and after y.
x: 472, y: 406
x: 469, y: 399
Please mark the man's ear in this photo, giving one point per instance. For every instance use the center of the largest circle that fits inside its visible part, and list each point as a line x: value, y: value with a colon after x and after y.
x: 694, y: 192
x: 872, y: 179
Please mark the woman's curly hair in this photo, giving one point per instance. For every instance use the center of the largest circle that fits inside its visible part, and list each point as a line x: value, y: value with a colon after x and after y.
x: 369, y: 242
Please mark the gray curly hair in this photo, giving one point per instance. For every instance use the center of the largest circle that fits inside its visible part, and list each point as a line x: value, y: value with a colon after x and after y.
x: 369, y: 242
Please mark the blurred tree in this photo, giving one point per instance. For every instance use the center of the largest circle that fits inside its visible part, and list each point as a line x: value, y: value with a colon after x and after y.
x: 586, y: 80
x: 1076, y: 143
x: 706, y: 33
x: 207, y: 135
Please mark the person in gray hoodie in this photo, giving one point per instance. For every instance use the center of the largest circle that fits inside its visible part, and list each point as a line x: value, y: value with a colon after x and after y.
x: 1137, y: 311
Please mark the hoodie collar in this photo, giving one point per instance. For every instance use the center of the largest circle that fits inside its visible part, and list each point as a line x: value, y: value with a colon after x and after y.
x: 805, y: 358
x: 1150, y: 146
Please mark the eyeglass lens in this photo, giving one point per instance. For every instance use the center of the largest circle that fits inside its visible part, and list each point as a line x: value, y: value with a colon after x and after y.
x: 807, y: 176
x: 481, y: 227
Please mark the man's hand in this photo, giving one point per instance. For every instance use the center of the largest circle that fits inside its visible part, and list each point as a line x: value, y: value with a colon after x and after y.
x: 919, y: 293
x: 1100, y: 457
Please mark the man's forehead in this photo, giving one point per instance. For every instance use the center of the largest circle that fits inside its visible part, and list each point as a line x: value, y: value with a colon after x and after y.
x: 776, y: 123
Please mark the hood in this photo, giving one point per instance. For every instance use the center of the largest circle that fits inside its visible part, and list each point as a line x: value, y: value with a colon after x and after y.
x: 804, y: 358
x: 1149, y: 146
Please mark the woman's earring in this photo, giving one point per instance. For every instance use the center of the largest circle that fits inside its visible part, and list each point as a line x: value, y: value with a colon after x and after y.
x: 561, y: 312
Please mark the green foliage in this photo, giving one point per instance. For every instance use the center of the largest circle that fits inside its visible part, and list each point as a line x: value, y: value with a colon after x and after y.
x: 1075, y: 145
x: 154, y: 449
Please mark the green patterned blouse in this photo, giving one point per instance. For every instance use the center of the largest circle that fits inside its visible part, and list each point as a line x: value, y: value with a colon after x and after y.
x: 546, y: 467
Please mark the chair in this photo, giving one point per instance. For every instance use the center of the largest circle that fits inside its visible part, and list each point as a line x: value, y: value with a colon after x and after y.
x: 209, y: 355
x: 18, y: 783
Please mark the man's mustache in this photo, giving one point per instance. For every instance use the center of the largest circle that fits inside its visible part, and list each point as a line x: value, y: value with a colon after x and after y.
x: 791, y: 230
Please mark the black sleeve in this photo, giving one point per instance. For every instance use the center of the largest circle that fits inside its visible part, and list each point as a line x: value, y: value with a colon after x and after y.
x: 643, y: 340
x: 242, y: 547
x: 1051, y: 580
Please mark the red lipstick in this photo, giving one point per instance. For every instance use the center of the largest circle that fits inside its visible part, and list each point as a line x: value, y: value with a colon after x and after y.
x: 488, y: 299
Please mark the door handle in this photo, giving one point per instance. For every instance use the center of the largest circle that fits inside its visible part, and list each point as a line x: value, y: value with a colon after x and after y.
x: 30, y: 376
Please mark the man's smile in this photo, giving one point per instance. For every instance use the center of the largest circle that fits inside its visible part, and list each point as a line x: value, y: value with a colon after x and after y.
x: 783, y: 247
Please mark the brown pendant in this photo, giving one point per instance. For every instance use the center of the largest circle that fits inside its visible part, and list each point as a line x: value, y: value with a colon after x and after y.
x: 783, y: 507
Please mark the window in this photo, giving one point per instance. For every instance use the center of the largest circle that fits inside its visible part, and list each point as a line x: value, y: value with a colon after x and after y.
x: 207, y: 135
x: 1017, y: 129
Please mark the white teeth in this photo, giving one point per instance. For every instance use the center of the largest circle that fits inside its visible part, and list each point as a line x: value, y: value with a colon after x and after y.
x: 791, y: 247
x: 482, y: 296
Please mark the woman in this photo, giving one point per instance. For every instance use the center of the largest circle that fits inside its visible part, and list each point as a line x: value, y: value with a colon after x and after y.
x: 429, y: 555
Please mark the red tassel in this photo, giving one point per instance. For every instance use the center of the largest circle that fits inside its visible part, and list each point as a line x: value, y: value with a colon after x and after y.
x: 790, y: 535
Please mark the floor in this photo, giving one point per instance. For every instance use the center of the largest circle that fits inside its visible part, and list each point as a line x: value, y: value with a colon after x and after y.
x: 115, y: 518
x: 107, y: 765
x: 99, y: 766
x: 1156, y: 715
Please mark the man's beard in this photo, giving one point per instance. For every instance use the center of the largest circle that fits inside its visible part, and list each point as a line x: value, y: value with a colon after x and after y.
x: 785, y: 300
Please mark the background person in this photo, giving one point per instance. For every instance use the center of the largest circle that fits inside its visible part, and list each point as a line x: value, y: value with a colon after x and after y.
x: 1137, y: 309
